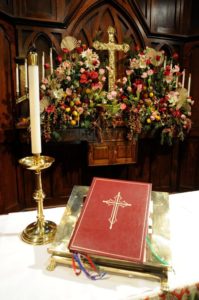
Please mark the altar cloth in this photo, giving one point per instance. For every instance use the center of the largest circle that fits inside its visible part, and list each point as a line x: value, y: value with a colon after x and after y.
x: 24, y: 274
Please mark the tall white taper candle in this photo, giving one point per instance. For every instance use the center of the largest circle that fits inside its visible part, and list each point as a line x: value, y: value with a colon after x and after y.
x: 183, y: 78
x: 165, y: 62
x: 51, y: 60
x: 43, y: 68
x: 26, y: 73
x: 17, y: 78
x: 189, y: 85
x: 34, y: 103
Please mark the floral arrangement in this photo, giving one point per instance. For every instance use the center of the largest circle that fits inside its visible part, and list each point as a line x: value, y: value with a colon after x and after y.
x: 149, y: 99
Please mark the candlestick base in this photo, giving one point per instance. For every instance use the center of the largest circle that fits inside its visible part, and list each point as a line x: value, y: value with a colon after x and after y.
x: 35, y: 235
x: 40, y: 232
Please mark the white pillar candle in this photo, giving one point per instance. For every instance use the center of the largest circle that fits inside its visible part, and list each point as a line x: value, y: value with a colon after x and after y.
x: 43, y: 68
x: 51, y: 60
x: 17, y: 78
x: 189, y: 85
x: 34, y: 103
x: 183, y: 78
x: 26, y: 73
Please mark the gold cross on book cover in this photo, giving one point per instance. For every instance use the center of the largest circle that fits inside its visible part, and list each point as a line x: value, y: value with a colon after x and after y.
x: 116, y: 203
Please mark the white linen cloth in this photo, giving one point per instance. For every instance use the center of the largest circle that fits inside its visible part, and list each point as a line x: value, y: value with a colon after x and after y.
x: 23, y: 273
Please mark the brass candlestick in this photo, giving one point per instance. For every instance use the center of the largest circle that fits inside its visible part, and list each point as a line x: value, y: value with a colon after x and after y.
x: 42, y: 231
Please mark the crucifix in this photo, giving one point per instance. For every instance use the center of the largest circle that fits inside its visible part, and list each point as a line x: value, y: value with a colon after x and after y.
x: 116, y: 204
x: 111, y: 46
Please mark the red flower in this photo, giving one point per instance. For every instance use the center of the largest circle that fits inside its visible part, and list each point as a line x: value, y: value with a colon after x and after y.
x: 167, y: 72
x: 65, y: 50
x: 50, y: 109
x: 157, y: 57
x: 83, y: 78
x: 95, y: 62
x: 175, y: 56
x: 93, y: 75
x: 177, y: 113
x: 59, y: 58
x: 137, y: 48
x: 79, y: 50
x: 46, y: 66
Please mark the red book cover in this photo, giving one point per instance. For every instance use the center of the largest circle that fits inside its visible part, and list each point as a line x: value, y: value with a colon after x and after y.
x: 113, y: 222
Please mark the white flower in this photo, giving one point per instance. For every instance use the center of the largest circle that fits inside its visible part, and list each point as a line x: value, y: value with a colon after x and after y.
x: 45, y: 101
x: 91, y: 59
x: 58, y: 94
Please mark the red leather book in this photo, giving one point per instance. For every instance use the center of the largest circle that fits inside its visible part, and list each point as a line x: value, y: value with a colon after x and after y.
x: 113, y: 221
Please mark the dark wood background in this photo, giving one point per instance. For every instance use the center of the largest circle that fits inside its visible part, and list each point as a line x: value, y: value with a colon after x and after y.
x: 172, y: 25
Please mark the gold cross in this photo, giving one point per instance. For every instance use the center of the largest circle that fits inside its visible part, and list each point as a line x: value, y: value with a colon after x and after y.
x: 116, y: 204
x: 111, y: 47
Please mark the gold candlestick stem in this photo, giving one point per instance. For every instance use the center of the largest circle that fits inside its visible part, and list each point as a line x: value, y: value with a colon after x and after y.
x: 42, y: 231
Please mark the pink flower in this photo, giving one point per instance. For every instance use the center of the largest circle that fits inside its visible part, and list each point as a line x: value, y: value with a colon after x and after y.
x: 82, y: 70
x: 68, y: 92
x: 122, y: 106
x: 124, y: 80
x: 66, y: 65
x: 45, y: 81
x: 101, y: 71
x: 80, y: 110
x: 114, y: 94
x: 144, y: 75
x: 96, y: 86
x: 109, y: 96
x: 129, y: 72
x: 139, y: 88
x: 150, y: 72
x: 176, y: 69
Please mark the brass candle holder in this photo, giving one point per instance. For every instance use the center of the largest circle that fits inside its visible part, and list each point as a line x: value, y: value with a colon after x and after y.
x: 40, y: 232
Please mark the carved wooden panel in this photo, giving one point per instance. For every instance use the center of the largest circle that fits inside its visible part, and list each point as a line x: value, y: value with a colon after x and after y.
x: 194, y: 20
x: 165, y: 16
x: 45, y: 9
x: 189, y: 166
x: 156, y: 164
x: 191, y: 63
x: 8, y: 181
x: 7, y: 75
x: 91, y: 25
x: 112, y: 153
x: 145, y: 9
x: 7, y: 6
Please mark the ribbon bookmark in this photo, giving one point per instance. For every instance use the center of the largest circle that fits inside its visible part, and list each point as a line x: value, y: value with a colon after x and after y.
x: 81, y: 259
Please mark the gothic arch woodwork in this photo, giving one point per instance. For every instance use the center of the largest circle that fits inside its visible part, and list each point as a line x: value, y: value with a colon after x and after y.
x: 88, y: 26
x: 88, y: 22
x: 43, y: 36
